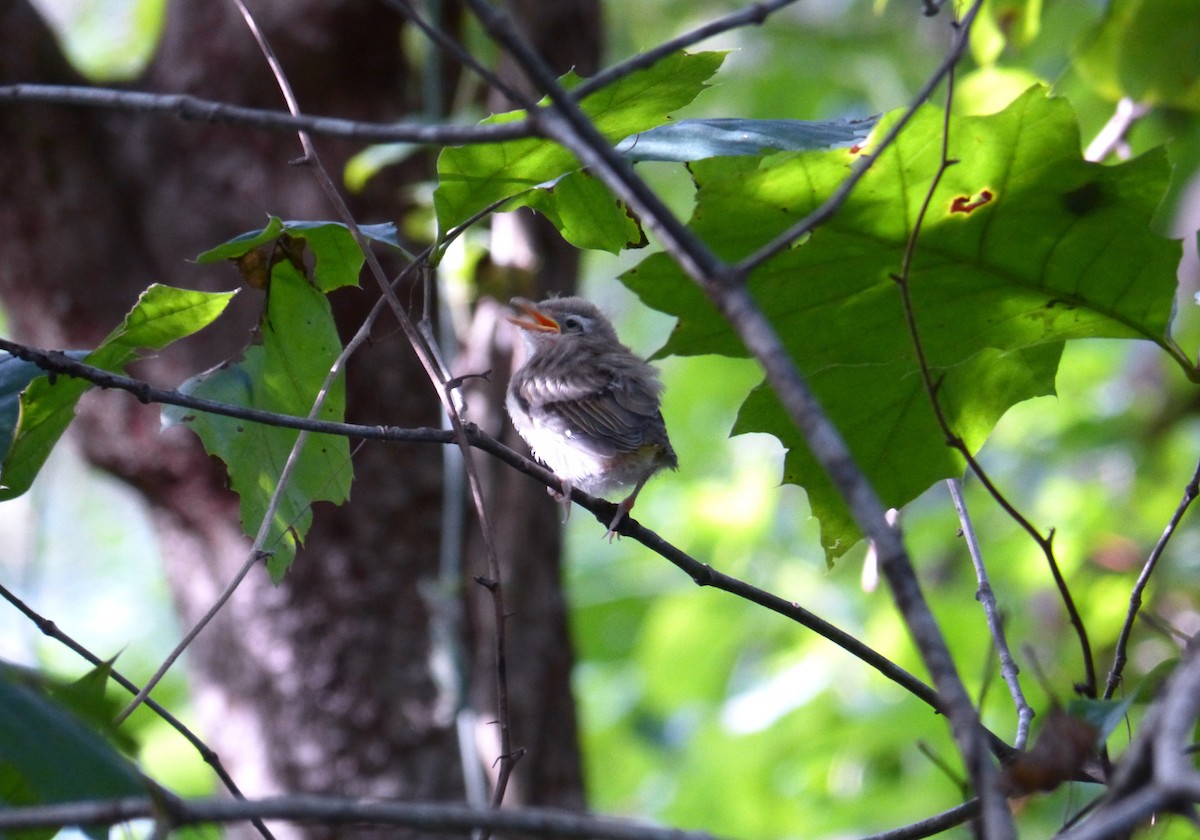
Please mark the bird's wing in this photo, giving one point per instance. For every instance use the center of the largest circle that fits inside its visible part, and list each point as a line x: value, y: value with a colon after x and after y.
x: 603, y: 412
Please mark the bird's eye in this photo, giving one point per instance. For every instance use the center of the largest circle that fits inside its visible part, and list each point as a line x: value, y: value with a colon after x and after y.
x: 572, y: 324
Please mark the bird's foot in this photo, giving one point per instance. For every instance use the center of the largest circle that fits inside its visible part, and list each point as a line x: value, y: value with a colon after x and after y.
x: 563, y: 497
x: 623, y: 509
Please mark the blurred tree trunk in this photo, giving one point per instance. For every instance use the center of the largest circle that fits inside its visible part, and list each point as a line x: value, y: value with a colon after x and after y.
x: 340, y: 680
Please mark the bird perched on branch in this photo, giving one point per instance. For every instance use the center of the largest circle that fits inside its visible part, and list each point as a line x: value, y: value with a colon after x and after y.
x: 585, y: 404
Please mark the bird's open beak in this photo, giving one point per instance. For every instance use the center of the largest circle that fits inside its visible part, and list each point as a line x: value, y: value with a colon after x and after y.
x: 534, y: 320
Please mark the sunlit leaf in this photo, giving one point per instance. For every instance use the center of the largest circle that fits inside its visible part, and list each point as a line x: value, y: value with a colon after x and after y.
x: 992, y: 314
x: 162, y: 315
x: 471, y: 178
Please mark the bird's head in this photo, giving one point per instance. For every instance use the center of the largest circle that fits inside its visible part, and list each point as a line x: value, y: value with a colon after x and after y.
x: 561, y: 319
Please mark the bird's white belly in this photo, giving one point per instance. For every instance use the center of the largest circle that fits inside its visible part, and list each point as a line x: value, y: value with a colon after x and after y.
x: 590, y: 472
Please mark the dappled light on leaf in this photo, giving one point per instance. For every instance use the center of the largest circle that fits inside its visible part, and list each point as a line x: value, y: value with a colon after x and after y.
x: 992, y: 316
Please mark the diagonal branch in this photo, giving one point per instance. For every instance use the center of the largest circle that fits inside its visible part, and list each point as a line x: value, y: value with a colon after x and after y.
x: 1120, y: 653
x: 987, y: 598
x: 210, y: 757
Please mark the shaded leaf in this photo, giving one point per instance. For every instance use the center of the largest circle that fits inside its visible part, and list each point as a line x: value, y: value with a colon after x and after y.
x: 162, y: 315
x: 15, y: 376
x: 338, y: 259
x: 49, y: 754
x: 282, y: 374
x: 992, y: 316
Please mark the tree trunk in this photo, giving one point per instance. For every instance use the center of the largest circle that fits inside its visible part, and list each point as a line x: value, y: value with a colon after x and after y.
x: 345, y: 679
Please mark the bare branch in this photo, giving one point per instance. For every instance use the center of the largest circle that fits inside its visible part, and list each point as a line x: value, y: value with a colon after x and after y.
x: 755, y: 13
x: 701, y: 573
x: 193, y: 109
x: 1120, y: 653
x: 930, y: 826
x: 210, y: 757
x: 1111, y: 137
x: 431, y: 817
x: 987, y: 598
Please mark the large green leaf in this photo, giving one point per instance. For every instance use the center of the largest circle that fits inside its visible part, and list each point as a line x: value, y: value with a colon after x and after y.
x: 48, y: 753
x: 163, y: 314
x: 281, y: 374
x: 470, y: 178
x: 1025, y: 245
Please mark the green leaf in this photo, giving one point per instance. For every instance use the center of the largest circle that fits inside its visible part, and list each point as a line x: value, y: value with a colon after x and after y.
x: 337, y: 257
x: 1147, y: 51
x: 587, y: 215
x: 685, y: 141
x: 162, y: 315
x: 1102, y: 715
x: 471, y: 178
x: 50, y: 755
x: 15, y: 376
x: 282, y: 374
x: 992, y: 317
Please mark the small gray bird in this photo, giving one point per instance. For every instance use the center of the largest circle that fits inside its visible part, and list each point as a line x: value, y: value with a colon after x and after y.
x: 585, y: 404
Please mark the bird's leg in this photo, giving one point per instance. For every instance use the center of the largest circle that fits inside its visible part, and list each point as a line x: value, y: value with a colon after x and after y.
x: 563, y: 497
x: 623, y: 508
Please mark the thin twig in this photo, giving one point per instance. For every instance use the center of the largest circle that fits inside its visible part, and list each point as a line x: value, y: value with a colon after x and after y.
x: 430, y: 361
x: 953, y: 440
x: 252, y: 559
x: 832, y: 204
x: 755, y: 13
x: 1120, y: 653
x: 1111, y: 137
x: 987, y: 598
x: 458, y: 52
x: 930, y: 826
x: 194, y: 109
